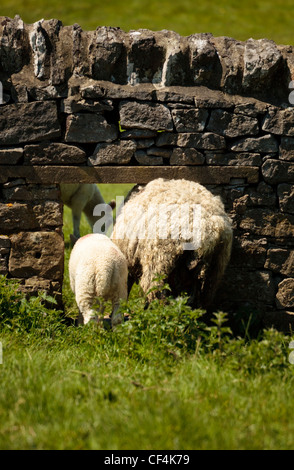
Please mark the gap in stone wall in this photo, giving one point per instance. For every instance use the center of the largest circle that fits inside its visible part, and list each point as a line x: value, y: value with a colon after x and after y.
x: 109, y: 193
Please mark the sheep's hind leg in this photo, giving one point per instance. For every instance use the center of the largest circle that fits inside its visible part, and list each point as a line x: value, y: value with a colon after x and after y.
x: 117, y: 316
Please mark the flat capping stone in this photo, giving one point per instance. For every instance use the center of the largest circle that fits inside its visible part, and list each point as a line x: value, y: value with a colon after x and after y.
x: 199, y: 96
x: 127, y: 174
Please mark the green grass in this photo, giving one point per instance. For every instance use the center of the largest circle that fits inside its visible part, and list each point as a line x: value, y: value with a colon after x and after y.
x: 241, y: 20
x: 160, y: 381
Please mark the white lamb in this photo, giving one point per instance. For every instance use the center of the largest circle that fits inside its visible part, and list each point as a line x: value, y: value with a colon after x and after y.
x: 97, y: 268
x: 82, y: 198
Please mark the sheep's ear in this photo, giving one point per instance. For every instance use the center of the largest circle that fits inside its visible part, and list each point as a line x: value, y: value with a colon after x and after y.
x: 73, y: 239
x: 112, y: 204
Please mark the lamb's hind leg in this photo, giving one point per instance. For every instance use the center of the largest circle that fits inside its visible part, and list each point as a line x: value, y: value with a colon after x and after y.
x: 116, y: 315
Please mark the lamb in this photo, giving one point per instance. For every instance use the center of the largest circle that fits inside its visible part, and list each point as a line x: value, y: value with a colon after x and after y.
x: 97, y: 268
x: 82, y: 198
x: 197, y: 271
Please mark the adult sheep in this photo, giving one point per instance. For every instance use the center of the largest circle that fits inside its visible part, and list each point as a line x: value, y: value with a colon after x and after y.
x: 196, y: 271
x: 82, y: 198
x: 97, y: 268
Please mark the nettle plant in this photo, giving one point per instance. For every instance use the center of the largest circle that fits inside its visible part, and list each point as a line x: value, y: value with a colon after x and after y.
x: 26, y: 314
x: 168, y: 324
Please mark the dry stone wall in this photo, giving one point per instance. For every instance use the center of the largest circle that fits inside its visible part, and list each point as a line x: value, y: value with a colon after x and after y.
x: 108, y: 106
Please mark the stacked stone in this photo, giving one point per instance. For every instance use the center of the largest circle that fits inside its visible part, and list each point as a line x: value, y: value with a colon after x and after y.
x: 47, y: 53
x: 31, y: 239
x: 212, y: 109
